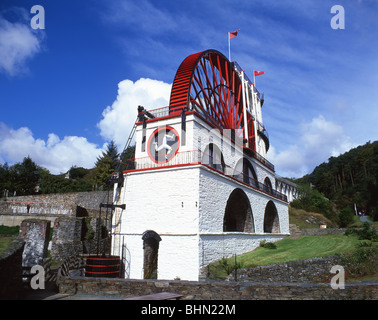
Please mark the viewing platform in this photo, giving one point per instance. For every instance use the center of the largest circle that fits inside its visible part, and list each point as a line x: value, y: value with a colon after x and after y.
x: 196, y: 157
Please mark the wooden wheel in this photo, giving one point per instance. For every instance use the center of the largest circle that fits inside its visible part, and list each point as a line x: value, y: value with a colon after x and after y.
x: 207, y: 83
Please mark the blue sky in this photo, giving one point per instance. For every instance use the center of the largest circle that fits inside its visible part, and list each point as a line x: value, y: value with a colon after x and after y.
x: 68, y: 89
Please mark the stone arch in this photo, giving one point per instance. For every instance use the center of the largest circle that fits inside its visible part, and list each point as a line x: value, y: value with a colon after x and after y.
x: 150, y: 254
x: 238, y: 215
x: 213, y: 157
x: 245, y: 172
x: 271, y: 220
x: 268, y: 185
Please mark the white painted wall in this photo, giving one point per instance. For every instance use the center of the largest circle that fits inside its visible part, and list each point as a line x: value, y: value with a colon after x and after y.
x: 185, y: 206
x: 164, y: 201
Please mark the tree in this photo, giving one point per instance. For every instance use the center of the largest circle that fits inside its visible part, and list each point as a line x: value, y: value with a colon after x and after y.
x: 77, y: 172
x: 349, y: 179
x: 103, y: 171
x: 346, y: 217
x: 127, y: 158
x: 106, y: 165
x: 5, y: 184
x: 24, y: 177
x: 111, y: 152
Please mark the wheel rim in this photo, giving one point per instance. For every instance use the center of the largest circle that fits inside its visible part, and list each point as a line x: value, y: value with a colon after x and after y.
x: 207, y: 83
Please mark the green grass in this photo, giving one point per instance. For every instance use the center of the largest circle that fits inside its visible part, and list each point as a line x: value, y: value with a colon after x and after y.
x: 6, y: 238
x: 4, y: 242
x: 290, y: 249
x: 302, y: 248
x: 9, y: 231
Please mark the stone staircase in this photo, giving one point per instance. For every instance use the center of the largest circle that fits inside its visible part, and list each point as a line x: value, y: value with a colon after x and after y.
x: 294, y: 231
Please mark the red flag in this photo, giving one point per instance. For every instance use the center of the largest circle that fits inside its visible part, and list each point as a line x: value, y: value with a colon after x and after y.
x: 258, y: 73
x: 233, y: 34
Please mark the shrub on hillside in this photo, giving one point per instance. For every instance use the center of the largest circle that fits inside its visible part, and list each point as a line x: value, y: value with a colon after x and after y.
x: 268, y: 245
x: 346, y: 217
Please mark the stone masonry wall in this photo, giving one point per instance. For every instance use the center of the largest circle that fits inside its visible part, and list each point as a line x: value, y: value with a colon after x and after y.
x: 36, y: 236
x: 218, y: 290
x: 50, y: 206
x: 52, y: 203
x: 66, y: 240
x: 299, y: 271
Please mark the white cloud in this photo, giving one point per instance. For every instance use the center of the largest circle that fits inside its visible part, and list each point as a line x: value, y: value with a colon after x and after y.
x: 58, y: 155
x: 18, y: 43
x: 119, y: 118
x: 55, y: 154
x: 319, y: 140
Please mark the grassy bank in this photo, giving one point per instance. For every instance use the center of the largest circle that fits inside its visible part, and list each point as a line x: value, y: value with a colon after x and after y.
x: 6, y: 234
x: 290, y: 249
x: 4, y: 242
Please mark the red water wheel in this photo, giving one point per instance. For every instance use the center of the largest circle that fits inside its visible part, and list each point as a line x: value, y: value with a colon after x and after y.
x: 207, y: 83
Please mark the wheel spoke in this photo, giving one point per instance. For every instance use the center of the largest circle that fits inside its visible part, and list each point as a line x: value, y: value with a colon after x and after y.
x: 208, y: 81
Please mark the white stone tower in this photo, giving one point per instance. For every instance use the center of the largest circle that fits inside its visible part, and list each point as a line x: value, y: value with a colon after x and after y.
x: 199, y: 188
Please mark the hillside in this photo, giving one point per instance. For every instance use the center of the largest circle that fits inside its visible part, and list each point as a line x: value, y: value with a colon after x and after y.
x: 349, y: 180
x: 307, y: 220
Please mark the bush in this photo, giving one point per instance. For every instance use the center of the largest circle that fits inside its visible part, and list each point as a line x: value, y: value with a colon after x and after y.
x: 360, y: 262
x: 367, y: 232
x: 346, y: 217
x: 229, y: 266
x: 350, y: 231
x: 267, y: 245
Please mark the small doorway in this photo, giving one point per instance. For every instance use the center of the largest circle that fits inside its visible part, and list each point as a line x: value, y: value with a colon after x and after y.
x: 150, y: 254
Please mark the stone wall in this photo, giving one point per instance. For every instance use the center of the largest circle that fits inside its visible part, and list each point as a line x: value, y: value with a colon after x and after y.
x: 88, y: 200
x: 36, y: 236
x: 50, y: 206
x: 33, y: 207
x: 73, y: 236
x: 322, y: 232
x: 218, y: 290
x: 11, y: 270
x: 299, y: 271
x: 66, y: 240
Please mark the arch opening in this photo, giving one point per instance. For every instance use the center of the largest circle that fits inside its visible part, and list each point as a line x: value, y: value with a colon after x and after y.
x: 150, y: 254
x: 271, y: 220
x: 213, y: 157
x: 245, y: 172
x: 238, y: 215
x: 268, y: 185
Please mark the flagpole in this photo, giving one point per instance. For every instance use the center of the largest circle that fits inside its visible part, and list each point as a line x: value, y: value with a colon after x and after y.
x: 229, y: 47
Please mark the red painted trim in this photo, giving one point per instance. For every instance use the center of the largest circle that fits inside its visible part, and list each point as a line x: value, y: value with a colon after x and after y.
x: 163, y: 167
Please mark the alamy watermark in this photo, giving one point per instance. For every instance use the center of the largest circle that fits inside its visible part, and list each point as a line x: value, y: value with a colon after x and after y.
x: 38, y: 281
x: 38, y: 20
x: 338, y: 280
x: 338, y: 20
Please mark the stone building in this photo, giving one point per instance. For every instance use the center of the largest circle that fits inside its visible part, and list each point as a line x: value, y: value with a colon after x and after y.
x: 200, y: 187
